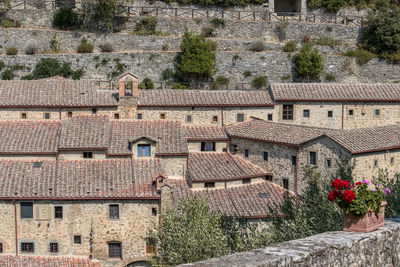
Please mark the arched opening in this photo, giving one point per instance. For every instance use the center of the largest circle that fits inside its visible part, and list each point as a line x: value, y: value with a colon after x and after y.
x: 139, y: 264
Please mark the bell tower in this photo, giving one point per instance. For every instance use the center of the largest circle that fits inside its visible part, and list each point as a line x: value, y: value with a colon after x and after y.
x: 128, y: 91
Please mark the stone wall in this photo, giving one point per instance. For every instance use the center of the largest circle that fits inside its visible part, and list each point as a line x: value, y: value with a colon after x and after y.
x: 375, y: 249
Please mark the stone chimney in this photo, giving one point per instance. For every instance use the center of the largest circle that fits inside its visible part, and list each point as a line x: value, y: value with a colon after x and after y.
x: 128, y: 91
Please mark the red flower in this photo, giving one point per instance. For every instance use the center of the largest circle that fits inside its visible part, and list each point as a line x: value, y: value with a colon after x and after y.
x: 358, y: 183
x: 333, y: 195
x: 339, y: 184
x: 345, y: 184
x: 348, y: 196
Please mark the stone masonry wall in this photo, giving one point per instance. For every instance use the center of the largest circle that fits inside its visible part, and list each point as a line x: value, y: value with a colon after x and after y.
x: 375, y: 249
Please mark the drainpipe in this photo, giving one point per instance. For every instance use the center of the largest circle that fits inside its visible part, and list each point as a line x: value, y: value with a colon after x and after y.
x: 297, y: 168
x: 16, y: 228
x: 222, y: 116
x: 342, y: 116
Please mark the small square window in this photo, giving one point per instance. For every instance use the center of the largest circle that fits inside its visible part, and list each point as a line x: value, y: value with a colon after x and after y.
x: 154, y: 211
x: 246, y: 153
x: 58, y: 212
x: 207, y: 146
x: 116, y: 116
x: 375, y: 163
x: 268, y: 178
x: 285, y: 183
x: 94, y: 110
x: 47, y: 116
x: 77, y: 239
x: 139, y: 116
x: 215, y: 119
x: 23, y: 116
x: 294, y: 160
x: 246, y: 181
x: 69, y: 114
x: 377, y: 112
x: 270, y: 117
x: 87, y: 155
x: 188, y: 118
x: 313, y: 158
x: 144, y: 150
x: 306, y: 113
x: 328, y: 163
x: 240, y: 117
x: 114, y: 211
x: 162, y: 116
x: 114, y: 250
x: 26, y: 210
x: 330, y: 114
x: 351, y: 112
x: 53, y: 247
x: 265, y: 156
x: 287, y: 113
x: 27, y: 247
x: 391, y: 160
x: 209, y: 184
x: 1, y: 247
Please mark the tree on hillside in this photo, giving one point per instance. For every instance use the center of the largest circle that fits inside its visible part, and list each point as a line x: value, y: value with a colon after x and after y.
x: 308, y: 63
x: 5, y: 5
x: 50, y: 67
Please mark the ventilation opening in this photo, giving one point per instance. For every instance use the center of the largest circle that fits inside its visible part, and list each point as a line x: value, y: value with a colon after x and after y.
x: 263, y: 195
x: 37, y: 164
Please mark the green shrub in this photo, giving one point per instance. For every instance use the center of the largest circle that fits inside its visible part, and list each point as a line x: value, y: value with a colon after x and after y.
x: 330, y: 77
x: 65, y: 18
x: 235, y: 59
x: 165, y: 47
x: 308, y: 63
x: 290, y: 46
x: 167, y: 74
x: 84, y: 47
x: 11, y: 51
x: 218, y: 23
x: 178, y: 86
x: 5, y: 23
x: 218, y: 3
x: 362, y: 56
x: 208, y: 31
x: 314, y: 3
x: 106, y: 47
x: 328, y: 29
x: 247, y: 74
x: 105, y: 12
x: 259, y: 82
x: 2, y: 65
x: 213, y: 45
x: 219, y: 82
x: 333, y: 6
x: 146, y: 84
x: 147, y: 25
x: 258, y: 46
x: 31, y: 48
x: 393, y: 58
x: 49, y: 67
x: 7, y: 74
x: 326, y: 41
x: 54, y: 45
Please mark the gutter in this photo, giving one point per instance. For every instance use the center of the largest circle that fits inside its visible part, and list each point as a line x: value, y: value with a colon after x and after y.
x: 265, y: 141
x: 77, y: 198
x: 232, y: 179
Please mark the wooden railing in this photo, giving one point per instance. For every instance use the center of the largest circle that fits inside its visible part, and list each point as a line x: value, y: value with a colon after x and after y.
x: 197, y: 13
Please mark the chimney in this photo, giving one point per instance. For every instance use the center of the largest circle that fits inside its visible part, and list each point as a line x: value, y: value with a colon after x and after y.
x: 121, y: 87
x: 135, y: 87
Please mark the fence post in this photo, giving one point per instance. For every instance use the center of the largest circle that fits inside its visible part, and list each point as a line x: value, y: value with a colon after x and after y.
x: 335, y: 18
x: 222, y: 14
x: 176, y: 13
x: 238, y: 15
x: 207, y: 14
x: 269, y: 16
x: 300, y: 17
x: 192, y: 13
x: 314, y: 18
x: 254, y: 15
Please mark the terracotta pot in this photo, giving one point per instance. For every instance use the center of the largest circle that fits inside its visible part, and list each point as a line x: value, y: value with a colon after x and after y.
x: 367, y: 223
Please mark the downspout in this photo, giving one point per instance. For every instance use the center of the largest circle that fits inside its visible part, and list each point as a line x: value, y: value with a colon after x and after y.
x: 222, y: 116
x: 16, y: 228
x: 60, y: 113
x: 342, y: 116
x: 297, y: 168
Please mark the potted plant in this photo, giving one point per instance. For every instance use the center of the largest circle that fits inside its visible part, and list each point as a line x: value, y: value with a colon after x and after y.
x: 362, y: 204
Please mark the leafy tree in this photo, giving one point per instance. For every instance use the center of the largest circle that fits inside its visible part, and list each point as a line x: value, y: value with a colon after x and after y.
x: 105, y: 12
x: 147, y: 83
x: 196, y: 59
x: 49, y: 67
x: 308, y: 63
x: 65, y: 18
x: 5, y: 5
x: 382, y: 31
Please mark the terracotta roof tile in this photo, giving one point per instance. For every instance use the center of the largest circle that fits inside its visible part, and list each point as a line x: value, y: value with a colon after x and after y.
x: 54, y: 93
x: 335, y: 92
x: 45, y: 261
x: 205, y: 133
x: 24, y: 137
x: 204, y: 98
x: 213, y: 166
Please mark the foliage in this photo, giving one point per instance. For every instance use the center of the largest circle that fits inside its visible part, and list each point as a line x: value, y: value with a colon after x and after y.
x: 147, y: 25
x: 5, y: 23
x: 219, y: 3
x: 49, y: 67
x: 329, y: 77
x: 31, y: 48
x: 5, y: 5
x: 326, y: 41
x: 213, y: 45
x: 381, y: 34
x: 247, y: 74
x: 11, y: 51
x: 84, y: 47
x: 208, y: 31
x: 54, y: 45
x: 333, y: 6
x: 363, y: 56
x: 218, y: 23
x: 146, y: 84
x: 290, y: 46
x: 2, y: 65
x: 65, y: 18
x: 235, y: 58
x: 259, y: 82
x: 167, y: 74
x: 105, y: 12
x: 106, y: 47
x: 393, y: 58
x: 179, y: 86
x: 165, y: 47
x: 393, y: 207
x: 308, y: 63
x: 7, y: 74
x: 118, y: 69
x: 196, y: 59
x: 258, y: 46
x: 219, y: 82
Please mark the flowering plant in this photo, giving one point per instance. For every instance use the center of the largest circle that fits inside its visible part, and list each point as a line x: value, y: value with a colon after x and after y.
x: 357, y: 199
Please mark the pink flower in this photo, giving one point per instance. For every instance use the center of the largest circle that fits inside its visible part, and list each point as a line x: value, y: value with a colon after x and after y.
x: 366, y: 182
x: 387, y: 191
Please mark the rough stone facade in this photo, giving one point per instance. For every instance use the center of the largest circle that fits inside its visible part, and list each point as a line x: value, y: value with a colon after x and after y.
x: 88, y: 219
x: 375, y: 249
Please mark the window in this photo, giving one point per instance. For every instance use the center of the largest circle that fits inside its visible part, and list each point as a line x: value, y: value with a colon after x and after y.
x: 114, y: 250
x: 26, y: 210
x: 53, y: 247
x: 246, y: 153
x: 265, y: 155
x: 188, y: 118
x: 270, y: 117
x: 209, y: 184
x: 150, y: 246
x: 69, y: 114
x: 233, y: 149
x: 58, y: 212
x: 116, y: 116
x: 328, y: 163
x: 162, y: 116
x: 330, y: 114
x: 139, y: 116
x: 77, y: 239
x: 268, y: 178
x: 313, y: 158
x: 306, y: 113
x: 294, y: 160
x: 240, y: 117
x: 47, y: 116
x: 144, y: 150
x: 94, y: 110
x: 114, y: 211
x: 215, y: 119
x: 351, y: 112
x: 285, y: 183
x: 287, y: 112
x: 391, y: 160
x: 246, y: 181
x: 375, y: 163
x: 377, y: 112
x: 87, y: 155
x: 1, y: 247
x: 23, y: 116
x: 154, y: 211
x: 28, y: 247
x: 207, y: 146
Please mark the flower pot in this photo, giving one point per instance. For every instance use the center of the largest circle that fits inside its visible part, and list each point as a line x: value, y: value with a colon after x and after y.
x: 367, y: 223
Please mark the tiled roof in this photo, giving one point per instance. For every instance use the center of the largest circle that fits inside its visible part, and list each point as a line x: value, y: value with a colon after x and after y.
x: 45, y: 261
x: 205, y: 133
x: 204, y: 98
x: 85, y: 132
x: 335, y: 92
x: 54, y: 93
x: 279, y: 133
x: 169, y: 136
x: 215, y: 166
x: 28, y: 137
x: 85, y: 179
x: 368, y: 139
x: 250, y: 201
